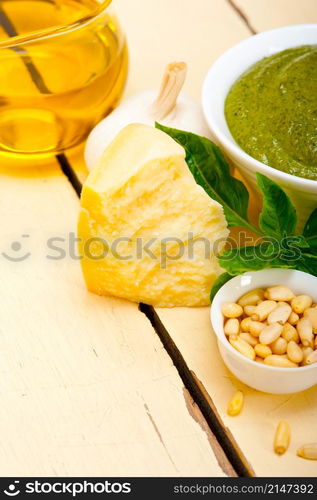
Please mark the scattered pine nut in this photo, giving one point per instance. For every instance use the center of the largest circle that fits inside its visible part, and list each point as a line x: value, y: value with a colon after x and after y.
x: 282, y: 438
x: 235, y: 404
x: 308, y: 451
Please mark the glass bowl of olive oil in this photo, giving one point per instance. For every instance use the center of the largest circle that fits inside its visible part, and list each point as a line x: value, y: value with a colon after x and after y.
x: 63, y: 66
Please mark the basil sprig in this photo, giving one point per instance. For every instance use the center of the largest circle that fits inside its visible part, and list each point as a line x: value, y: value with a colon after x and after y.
x: 279, y: 245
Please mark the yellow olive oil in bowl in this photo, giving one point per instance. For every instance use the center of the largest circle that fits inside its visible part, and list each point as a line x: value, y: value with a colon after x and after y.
x: 63, y: 65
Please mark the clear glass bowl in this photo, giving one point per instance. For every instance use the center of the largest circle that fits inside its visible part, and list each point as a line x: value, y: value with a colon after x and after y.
x: 63, y: 65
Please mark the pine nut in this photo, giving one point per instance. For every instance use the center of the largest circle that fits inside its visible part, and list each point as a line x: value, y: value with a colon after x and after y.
x: 280, y: 314
x: 300, y: 303
x: 251, y: 298
x: 231, y: 310
x: 273, y: 326
x: 235, y: 404
x: 282, y: 438
x: 243, y: 347
x: 256, y: 328
x: 279, y: 361
x: 262, y: 350
x: 279, y: 346
x: 232, y: 327
x: 311, y: 313
x: 248, y: 338
x: 306, y: 352
x: 270, y: 333
x: 245, y: 325
x: 258, y: 359
x: 293, y: 319
x: 263, y: 310
x: 294, y: 352
x: 249, y: 310
x: 311, y: 358
x: 308, y: 451
x: 305, y: 331
x: 290, y: 333
x: 279, y: 293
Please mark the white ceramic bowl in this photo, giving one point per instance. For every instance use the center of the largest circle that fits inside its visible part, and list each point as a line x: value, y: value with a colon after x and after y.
x: 221, y: 76
x: 257, y: 375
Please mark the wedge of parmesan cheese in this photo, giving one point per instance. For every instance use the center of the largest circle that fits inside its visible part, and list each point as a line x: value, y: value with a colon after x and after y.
x: 147, y: 231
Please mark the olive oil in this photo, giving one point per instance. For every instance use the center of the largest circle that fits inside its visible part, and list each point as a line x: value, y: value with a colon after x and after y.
x: 62, y: 68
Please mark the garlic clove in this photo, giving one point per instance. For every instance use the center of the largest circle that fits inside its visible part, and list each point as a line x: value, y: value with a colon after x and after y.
x: 146, y: 107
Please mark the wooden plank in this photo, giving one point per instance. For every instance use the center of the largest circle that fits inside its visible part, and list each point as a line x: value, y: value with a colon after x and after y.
x: 172, y: 31
x: 269, y: 14
x: 86, y: 388
x: 252, y: 432
x: 164, y: 31
x: 213, y: 27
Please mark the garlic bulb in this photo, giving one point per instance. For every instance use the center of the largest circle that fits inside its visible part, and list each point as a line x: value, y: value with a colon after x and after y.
x: 171, y: 107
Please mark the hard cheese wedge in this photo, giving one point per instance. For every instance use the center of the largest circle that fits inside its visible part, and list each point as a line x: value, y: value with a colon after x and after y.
x: 147, y: 231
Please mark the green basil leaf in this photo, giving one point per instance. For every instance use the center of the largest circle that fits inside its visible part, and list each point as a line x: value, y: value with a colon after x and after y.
x: 220, y: 281
x: 211, y: 171
x: 278, y: 217
x: 298, y: 241
x: 255, y: 258
x: 310, y: 230
x: 308, y: 263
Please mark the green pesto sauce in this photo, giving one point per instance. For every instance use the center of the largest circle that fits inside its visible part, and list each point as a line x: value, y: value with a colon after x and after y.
x: 271, y: 111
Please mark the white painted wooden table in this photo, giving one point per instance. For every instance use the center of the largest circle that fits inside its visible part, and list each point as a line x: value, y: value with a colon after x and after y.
x: 89, y: 386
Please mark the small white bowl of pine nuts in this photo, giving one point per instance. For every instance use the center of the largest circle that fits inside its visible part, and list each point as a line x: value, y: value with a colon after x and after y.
x: 266, y: 327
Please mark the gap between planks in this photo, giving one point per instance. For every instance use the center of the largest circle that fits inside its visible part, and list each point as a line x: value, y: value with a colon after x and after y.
x: 199, y: 407
x: 197, y: 404
x: 202, y: 407
x: 244, y: 18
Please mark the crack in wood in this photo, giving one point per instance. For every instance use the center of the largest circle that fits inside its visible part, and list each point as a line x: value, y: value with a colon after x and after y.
x: 213, y: 420
x: 226, y: 429
x: 218, y: 451
x: 196, y: 400
x: 34, y: 73
x: 69, y: 172
x: 159, y: 435
x: 242, y: 16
